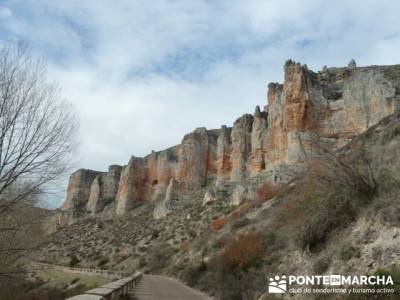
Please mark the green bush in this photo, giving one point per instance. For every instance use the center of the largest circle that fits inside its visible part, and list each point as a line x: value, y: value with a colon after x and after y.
x: 159, y: 256
x: 321, y: 265
x: 102, y: 261
x: 223, y: 284
x: 192, y: 273
x: 74, y: 280
x: 155, y: 234
x: 241, y: 222
x: 348, y: 252
x: 269, y: 239
x: 388, y: 180
x: 334, y: 213
x: 73, y: 261
x: 394, y: 272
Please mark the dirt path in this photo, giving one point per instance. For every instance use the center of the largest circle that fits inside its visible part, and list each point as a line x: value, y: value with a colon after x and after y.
x: 154, y: 287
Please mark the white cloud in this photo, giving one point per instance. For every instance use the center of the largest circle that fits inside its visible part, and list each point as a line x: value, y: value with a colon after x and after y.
x: 142, y: 75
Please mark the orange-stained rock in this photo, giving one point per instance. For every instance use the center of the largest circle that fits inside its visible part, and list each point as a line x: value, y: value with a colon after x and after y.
x: 161, y: 167
x: 193, y: 160
x: 132, y: 185
x: 224, y: 149
x: 328, y: 108
x: 307, y: 111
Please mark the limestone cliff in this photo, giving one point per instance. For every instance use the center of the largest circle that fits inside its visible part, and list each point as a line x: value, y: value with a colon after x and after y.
x: 308, y: 110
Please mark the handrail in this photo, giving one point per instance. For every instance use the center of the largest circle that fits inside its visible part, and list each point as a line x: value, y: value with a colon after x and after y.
x: 111, y: 291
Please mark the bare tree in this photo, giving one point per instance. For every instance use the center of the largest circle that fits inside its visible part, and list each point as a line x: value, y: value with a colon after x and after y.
x: 345, y: 169
x: 37, y: 135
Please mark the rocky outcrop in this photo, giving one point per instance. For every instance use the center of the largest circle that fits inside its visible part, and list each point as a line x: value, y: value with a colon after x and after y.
x: 258, y: 136
x: 132, y: 185
x: 240, y: 194
x: 224, y: 148
x: 241, y: 146
x: 193, y: 159
x: 308, y: 111
x: 209, y: 197
x: 104, y: 189
x: 168, y: 205
x: 327, y: 108
x: 78, y: 190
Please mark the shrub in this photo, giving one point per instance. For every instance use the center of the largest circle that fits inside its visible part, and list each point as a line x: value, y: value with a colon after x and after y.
x: 185, y: 246
x: 269, y: 239
x: 235, y: 215
x: 222, y: 240
x: 192, y: 274
x: 222, y: 283
x: 335, y: 212
x: 265, y: 192
x: 321, y: 265
x: 159, y: 256
x: 42, y: 294
x: 317, y: 209
x: 244, y: 250
x: 354, y: 173
x: 348, y: 252
x: 142, y: 262
x: 394, y: 272
x: 244, y: 208
x: 218, y: 223
x: 102, y: 261
x: 388, y: 180
x: 74, y: 280
x: 226, y: 284
x: 155, y: 234
x: 73, y: 261
x: 241, y: 222
x: 390, y: 214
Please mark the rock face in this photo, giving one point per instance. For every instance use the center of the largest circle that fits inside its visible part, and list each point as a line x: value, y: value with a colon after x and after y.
x: 193, y: 159
x: 258, y: 136
x: 168, y: 205
x: 104, y: 189
x: 328, y: 107
x: 209, y: 197
x: 224, y: 148
x: 78, y: 190
x: 307, y: 111
x: 241, y: 146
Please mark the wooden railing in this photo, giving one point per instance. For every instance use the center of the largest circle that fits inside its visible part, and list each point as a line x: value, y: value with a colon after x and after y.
x: 111, y: 291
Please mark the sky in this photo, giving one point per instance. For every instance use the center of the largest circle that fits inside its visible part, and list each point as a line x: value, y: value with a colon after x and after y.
x: 143, y: 73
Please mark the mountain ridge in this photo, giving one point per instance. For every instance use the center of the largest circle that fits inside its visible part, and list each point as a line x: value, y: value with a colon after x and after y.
x: 309, y: 110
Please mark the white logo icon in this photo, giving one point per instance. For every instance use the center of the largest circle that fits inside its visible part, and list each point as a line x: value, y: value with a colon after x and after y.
x: 277, y: 285
x: 335, y: 280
